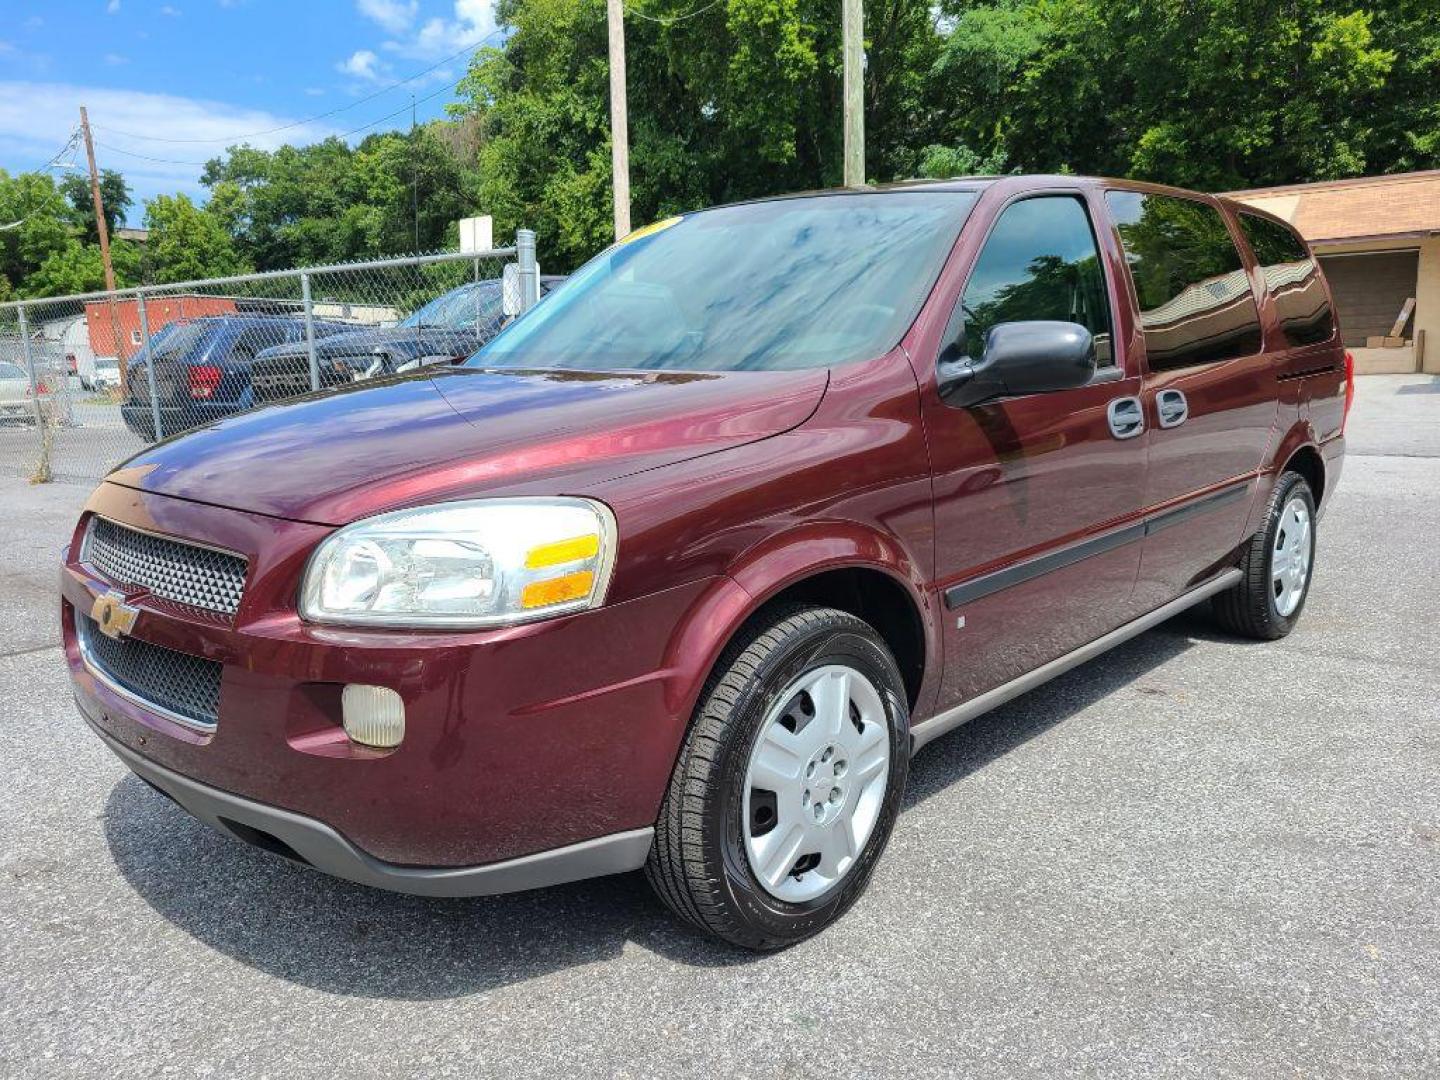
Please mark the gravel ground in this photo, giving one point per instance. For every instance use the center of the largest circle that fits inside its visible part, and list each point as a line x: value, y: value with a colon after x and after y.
x: 1193, y: 857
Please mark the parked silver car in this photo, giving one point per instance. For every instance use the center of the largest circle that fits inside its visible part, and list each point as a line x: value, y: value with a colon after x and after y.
x: 17, y: 402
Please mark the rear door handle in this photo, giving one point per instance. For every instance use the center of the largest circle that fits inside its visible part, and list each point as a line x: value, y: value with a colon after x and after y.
x: 1172, y: 408
x: 1127, y: 418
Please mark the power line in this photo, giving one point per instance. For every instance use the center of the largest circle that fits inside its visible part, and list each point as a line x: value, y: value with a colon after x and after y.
x: 71, y: 147
x: 673, y: 19
x: 147, y: 157
x: 72, y: 143
x: 309, y: 119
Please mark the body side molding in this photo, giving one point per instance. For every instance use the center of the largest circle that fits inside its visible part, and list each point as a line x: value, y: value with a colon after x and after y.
x: 967, y: 591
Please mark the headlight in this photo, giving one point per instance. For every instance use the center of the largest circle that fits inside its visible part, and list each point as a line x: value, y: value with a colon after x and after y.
x: 490, y: 562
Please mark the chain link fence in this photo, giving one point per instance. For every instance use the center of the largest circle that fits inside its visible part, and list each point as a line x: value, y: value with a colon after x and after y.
x: 87, y: 381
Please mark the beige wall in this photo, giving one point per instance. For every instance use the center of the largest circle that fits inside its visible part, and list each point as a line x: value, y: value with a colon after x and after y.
x: 1427, y: 304
x: 1427, y: 308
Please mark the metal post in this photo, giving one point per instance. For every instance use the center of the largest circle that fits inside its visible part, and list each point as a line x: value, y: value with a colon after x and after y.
x: 150, y: 367
x: 30, y: 367
x: 310, y: 332
x: 528, y: 272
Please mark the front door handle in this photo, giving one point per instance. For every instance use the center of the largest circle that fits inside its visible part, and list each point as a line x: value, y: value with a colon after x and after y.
x: 1172, y: 408
x: 1127, y: 418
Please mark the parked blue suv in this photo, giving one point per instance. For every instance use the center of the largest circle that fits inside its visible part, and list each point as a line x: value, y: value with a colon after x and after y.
x: 447, y: 329
x: 202, y: 369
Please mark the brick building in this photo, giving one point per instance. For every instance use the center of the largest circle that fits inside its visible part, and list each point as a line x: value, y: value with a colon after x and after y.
x: 115, y: 327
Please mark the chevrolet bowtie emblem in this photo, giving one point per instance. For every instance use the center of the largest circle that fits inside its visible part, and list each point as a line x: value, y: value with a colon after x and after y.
x: 113, y: 616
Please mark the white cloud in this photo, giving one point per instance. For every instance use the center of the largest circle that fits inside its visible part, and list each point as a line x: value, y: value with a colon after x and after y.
x: 392, y: 16
x: 170, y: 10
x: 314, y: 91
x: 115, y: 59
x: 113, y: 7
x: 474, y: 20
x: 34, y: 22
x: 32, y: 112
x: 363, y: 64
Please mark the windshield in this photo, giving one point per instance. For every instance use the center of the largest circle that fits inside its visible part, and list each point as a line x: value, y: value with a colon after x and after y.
x: 790, y: 283
x: 461, y: 309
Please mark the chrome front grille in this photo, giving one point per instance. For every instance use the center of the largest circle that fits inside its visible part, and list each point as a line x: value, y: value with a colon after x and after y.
x: 185, y: 687
x: 185, y: 573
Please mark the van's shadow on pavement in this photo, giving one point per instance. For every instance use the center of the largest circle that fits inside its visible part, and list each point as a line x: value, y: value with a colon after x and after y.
x: 314, y: 930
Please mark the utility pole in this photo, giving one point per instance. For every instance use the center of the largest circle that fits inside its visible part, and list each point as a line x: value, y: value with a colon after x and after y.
x: 619, y: 121
x: 104, y: 233
x: 99, y: 203
x: 852, y: 33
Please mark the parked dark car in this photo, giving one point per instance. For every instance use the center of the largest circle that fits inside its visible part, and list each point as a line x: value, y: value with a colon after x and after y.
x: 447, y: 329
x: 202, y: 368
x: 680, y: 569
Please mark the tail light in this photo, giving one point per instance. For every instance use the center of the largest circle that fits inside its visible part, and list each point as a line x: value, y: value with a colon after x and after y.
x: 1349, y: 388
x: 40, y: 388
x: 204, y: 378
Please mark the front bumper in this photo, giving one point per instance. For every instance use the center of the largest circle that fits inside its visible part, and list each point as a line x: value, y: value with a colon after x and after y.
x: 313, y: 843
x: 519, y: 741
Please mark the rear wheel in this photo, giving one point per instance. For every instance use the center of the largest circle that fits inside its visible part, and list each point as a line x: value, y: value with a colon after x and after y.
x: 1277, y: 564
x: 788, y: 783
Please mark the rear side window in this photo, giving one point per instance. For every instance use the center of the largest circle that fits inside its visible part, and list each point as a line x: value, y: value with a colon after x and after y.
x: 1039, y: 262
x: 1292, y: 279
x: 1196, y: 306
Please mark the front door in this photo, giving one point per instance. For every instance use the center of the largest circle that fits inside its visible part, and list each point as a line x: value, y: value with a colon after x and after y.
x: 1037, y: 497
x: 1210, y: 391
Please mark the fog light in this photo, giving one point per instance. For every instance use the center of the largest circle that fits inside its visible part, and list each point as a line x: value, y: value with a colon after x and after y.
x: 373, y: 715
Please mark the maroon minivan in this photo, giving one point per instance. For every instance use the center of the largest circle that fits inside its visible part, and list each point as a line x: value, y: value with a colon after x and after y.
x: 679, y: 570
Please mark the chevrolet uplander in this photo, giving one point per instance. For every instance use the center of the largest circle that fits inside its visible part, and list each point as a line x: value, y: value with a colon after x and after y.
x: 681, y: 569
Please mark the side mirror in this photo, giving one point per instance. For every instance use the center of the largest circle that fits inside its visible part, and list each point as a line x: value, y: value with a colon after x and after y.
x: 1032, y: 357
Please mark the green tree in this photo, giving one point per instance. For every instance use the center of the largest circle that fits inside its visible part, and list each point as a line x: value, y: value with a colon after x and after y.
x: 186, y: 242
x: 78, y: 268
x: 1213, y: 94
x: 114, y: 195
x: 37, y: 225
x: 740, y: 100
x: 329, y: 202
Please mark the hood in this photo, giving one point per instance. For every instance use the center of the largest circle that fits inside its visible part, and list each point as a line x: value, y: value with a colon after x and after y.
x: 457, y: 433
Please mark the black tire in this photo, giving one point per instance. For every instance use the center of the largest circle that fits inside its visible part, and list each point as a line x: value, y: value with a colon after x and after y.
x: 1249, y: 608
x: 698, y: 863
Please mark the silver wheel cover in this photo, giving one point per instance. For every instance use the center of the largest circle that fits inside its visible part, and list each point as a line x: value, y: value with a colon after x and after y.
x: 816, y: 782
x: 1290, y: 557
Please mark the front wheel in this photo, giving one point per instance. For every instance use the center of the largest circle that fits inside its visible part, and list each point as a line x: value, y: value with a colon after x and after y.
x: 1277, y: 564
x: 788, y: 784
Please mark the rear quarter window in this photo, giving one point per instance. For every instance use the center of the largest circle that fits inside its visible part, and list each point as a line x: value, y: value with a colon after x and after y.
x: 1292, y: 279
x: 1196, y: 305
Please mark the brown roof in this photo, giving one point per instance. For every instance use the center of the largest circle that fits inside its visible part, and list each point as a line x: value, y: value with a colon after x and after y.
x: 1365, y: 207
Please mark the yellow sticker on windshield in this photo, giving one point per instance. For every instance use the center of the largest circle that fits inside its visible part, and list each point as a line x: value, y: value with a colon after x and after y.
x: 649, y: 230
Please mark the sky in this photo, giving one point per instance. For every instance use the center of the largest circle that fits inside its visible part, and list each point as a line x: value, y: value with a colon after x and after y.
x: 168, y: 85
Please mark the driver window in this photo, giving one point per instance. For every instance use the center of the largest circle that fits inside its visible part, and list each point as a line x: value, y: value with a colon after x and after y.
x: 1039, y: 262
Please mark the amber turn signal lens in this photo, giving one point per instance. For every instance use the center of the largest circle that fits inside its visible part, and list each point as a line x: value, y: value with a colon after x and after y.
x: 574, y: 586
x: 563, y: 551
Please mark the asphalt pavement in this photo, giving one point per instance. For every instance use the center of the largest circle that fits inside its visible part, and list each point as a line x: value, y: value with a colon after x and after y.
x: 1193, y: 857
